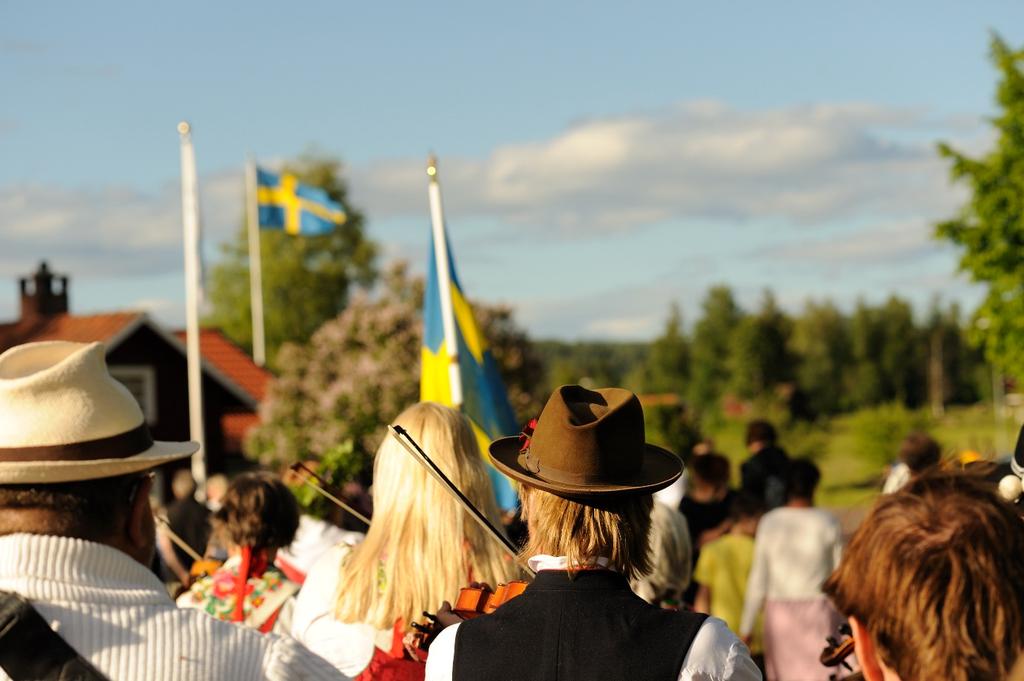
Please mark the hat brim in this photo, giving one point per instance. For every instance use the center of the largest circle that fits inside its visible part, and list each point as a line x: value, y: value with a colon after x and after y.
x: 659, y: 470
x: 49, y: 472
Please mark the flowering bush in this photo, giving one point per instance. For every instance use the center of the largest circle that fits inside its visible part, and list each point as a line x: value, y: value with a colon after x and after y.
x: 357, y: 372
x: 360, y: 369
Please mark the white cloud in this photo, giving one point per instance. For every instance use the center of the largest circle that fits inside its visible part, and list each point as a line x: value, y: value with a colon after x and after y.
x: 825, y: 184
x: 896, y: 240
x: 623, y: 313
x: 627, y: 327
x: 170, y: 313
x: 694, y: 160
x: 112, y: 230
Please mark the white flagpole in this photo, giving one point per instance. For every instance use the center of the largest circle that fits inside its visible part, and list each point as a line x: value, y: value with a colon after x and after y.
x: 190, y: 221
x: 259, y: 341
x: 444, y: 283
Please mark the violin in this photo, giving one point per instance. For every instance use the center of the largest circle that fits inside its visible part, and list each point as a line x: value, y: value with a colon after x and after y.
x: 477, y: 600
x: 837, y: 650
x: 473, y: 601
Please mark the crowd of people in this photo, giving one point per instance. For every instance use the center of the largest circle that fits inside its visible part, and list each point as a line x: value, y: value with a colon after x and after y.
x: 636, y: 566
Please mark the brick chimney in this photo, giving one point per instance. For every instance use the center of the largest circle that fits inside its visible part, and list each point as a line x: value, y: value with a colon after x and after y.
x: 42, y: 294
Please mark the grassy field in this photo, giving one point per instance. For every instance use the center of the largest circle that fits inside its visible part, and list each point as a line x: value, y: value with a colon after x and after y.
x: 851, y: 480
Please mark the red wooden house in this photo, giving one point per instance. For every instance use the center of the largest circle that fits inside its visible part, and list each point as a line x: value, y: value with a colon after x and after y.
x: 150, y: 361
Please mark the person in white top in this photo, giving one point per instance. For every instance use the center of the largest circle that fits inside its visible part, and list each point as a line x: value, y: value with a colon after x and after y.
x: 796, y: 548
x: 918, y: 454
x: 358, y: 603
x: 671, y: 558
x: 314, y: 538
x: 587, y: 479
x: 77, y: 535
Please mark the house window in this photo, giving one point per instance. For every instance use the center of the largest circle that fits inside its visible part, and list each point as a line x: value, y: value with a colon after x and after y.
x: 141, y: 383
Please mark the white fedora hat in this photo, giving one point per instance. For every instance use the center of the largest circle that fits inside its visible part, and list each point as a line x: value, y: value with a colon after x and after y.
x: 63, y: 417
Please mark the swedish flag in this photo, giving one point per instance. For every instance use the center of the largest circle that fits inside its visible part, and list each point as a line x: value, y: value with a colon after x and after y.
x: 484, y: 398
x: 296, y: 208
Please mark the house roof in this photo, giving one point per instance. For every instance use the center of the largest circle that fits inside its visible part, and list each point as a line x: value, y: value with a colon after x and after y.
x: 107, y: 328
x: 222, y: 360
x: 232, y: 361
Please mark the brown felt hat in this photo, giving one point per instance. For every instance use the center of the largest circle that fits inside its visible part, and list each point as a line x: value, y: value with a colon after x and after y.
x: 586, y: 444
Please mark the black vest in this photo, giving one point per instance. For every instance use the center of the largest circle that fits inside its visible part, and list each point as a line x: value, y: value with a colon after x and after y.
x: 589, y: 627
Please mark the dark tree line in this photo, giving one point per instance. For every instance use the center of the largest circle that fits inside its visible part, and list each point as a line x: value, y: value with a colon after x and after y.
x: 819, y: 362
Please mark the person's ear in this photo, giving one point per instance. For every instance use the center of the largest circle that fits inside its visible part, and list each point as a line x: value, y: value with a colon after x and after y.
x: 867, y: 654
x: 139, y: 531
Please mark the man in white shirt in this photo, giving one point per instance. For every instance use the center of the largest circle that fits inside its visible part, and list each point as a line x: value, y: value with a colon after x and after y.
x: 587, y: 483
x: 77, y: 535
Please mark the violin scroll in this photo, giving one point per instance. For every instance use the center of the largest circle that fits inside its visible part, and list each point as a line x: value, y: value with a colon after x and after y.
x: 839, y: 648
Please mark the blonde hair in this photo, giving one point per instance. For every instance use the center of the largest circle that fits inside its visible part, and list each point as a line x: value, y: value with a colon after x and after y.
x: 671, y: 557
x: 422, y: 546
x: 615, y: 528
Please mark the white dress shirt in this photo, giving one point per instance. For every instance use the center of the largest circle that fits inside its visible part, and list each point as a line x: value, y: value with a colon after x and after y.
x: 716, y: 654
x: 117, y: 614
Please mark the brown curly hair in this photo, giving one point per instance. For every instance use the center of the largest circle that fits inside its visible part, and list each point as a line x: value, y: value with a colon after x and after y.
x: 258, y: 511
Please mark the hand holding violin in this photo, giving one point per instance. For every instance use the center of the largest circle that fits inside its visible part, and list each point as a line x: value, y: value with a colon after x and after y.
x: 474, y: 600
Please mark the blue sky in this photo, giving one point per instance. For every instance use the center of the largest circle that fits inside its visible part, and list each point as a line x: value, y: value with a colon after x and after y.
x: 598, y: 160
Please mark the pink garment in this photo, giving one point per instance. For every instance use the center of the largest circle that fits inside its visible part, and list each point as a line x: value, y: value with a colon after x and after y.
x: 794, y: 636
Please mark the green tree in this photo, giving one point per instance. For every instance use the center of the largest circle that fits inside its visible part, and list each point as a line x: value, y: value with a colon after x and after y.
x: 667, y: 368
x: 760, y: 358
x: 956, y: 370
x: 990, y: 227
x: 673, y: 427
x: 710, y: 347
x: 306, y: 280
x: 864, y: 385
x: 821, y: 341
x: 889, y: 356
x: 879, y: 430
x: 903, y: 354
x: 595, y: 363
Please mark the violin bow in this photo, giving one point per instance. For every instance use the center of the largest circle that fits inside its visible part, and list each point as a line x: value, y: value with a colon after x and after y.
x: 299, y: 466
x: 165, y: 525
x: 410, y: 445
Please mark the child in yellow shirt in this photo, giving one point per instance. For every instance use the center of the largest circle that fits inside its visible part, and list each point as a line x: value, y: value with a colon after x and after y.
x: 724, y: 565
